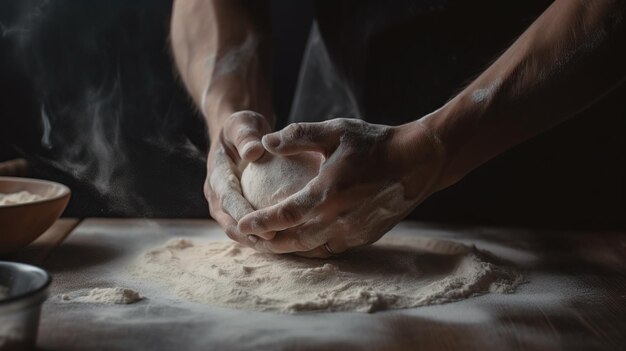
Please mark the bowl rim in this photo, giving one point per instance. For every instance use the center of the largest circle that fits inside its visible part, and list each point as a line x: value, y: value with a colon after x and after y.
x: 65, y: 191
x: 31, y: 293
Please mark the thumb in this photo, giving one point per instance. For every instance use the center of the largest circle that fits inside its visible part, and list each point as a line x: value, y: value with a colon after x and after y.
x: 302, y: 137
x: 250, y: 148
x: 244, y: 132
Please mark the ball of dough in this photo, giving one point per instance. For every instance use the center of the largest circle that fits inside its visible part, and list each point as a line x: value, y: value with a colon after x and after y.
x: 272, y: 178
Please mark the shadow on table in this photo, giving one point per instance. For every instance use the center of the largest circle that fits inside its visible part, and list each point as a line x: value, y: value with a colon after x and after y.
x: 73, y: 255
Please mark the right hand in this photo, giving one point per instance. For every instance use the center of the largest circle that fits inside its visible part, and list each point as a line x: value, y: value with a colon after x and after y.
x: 237, y: 143
x: 372, y: 176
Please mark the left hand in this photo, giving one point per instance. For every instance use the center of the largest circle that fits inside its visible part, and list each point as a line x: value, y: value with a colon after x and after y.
x: 237, y: 142
x: 371, y: 178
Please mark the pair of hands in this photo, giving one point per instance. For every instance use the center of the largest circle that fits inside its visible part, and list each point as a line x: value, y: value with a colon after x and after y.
x: 372, y: 176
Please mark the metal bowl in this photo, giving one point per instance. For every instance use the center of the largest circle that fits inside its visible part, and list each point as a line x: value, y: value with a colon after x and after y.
x: 22, y: 223
x: 23, y: 289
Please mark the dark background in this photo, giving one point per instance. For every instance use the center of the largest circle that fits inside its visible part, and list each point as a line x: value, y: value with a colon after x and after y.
x: 103, y: 74
x: 291, y: 21
x: 125, y: 137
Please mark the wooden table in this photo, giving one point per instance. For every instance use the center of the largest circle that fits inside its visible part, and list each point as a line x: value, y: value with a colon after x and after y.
x: 38, y: 250
x: 576, y: 299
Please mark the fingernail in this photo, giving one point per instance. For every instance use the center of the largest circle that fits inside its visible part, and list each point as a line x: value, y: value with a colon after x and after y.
x: 270, y: 141
x: 246, y: 148
x: 253, y: 238
x: 249, y: 226
x: 267, y: 236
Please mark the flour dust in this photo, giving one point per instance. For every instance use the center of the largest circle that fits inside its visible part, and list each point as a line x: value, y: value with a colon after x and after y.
x: 391, y: 274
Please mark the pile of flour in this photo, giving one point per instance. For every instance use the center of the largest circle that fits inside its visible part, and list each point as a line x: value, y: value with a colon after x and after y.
x: 394, y: 273
x: 18, y: 198
x: 107, y: 296
x: 391, y: 274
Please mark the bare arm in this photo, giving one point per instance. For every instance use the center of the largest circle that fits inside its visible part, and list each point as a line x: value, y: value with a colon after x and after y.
x: 572, y: 55
x: 221, y: 51
x: 374, y: 175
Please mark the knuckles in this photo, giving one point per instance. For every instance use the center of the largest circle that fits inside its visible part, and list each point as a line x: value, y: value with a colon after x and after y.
x: 295, y: 131
x: 207, y: 190
x: 299, y: 245
x: 340, y: 123
x: 242, y: 125
x: 247, y: 115
x: 289, y: 215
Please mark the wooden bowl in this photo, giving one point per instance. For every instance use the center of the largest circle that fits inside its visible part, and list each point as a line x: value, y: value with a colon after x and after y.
x: 22, y: 223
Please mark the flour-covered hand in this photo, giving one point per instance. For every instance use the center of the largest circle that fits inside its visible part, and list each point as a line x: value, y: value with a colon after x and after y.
x: 372, y: 177
x: 238, y: 142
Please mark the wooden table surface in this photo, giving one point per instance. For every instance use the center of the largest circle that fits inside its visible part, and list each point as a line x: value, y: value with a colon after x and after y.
x: 594, y: 318
x: 38, y: 250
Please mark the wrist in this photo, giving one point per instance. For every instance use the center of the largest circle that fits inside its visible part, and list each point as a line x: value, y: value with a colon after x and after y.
x: 421, y: 158
x: 454, y: 125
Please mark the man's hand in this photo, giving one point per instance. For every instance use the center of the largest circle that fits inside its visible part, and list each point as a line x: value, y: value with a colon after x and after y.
x: 222, y: 52
x: 238, y: 142
x: 372, y: 177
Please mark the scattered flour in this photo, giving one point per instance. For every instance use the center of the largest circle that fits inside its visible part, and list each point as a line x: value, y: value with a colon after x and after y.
x: 18, y: 198
x: 391, y: 274
x: 273, y: 178
x: 109, y: 296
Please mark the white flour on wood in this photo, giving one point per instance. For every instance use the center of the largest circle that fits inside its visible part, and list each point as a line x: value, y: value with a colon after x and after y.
x: 108, y: 296
x: 392, y: 274
x: 389, y: 275
x: 18, y: 198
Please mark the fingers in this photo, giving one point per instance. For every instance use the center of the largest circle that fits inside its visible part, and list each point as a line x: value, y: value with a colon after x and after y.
x: 291, y: 212
x: 319, y: 252
x: 230, y: 227
x: 226, y: 221
x: 301, y: 137
x: 244, y: 131
x: 229, y: 224
x: 331, y: 248
x: 236, y: 206
x: 301, y: 246
x: 225, y: 184
x: 240, y: 139
x: 315, y: 238
x: 300, y: 239
x: 224, y: 192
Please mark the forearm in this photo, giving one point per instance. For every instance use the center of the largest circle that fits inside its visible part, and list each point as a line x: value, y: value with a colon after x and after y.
x: 221, y: 52
x: 572, y: 55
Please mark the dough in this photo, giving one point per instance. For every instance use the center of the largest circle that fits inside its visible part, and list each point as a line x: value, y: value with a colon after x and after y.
x: 394, y: 273
x: 18, y: 198
x: 108, y: 296
x: 273, y: 178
